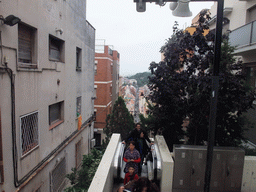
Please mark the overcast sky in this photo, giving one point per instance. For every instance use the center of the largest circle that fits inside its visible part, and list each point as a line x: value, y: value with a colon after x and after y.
x: 138, y: 37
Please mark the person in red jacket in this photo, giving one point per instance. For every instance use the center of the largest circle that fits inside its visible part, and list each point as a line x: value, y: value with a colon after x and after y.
x: 131, y: 157
x: 131, y: 175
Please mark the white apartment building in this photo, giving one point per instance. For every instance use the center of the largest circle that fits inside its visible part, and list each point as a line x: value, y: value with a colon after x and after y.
x: 46, y: 88
x: 240, y: 22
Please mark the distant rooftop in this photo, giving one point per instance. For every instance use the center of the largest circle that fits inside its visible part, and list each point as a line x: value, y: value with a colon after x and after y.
x: 99, y: 45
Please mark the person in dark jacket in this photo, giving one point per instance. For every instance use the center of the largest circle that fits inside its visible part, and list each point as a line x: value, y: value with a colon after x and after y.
x: 144, y: 185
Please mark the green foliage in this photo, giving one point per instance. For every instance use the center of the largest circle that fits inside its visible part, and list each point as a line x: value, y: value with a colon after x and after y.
x: 142, y: 78
x: 181, y: 87
x: 119, y: 121
x: 149, y: 123
x: 250, y: 152
x: 80, y: 180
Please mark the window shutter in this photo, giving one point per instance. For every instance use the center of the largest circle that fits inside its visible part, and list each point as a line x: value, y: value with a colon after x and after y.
x: 251, y: 14
x: 54, y: 49
x: 54, y: 113
x: 25, y: 43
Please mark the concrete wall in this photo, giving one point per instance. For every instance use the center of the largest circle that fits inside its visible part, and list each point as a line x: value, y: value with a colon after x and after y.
x: 238, y: 16
x: 167, y: 164
x: 249, y: 179
x: 103, y: 179
x: 36, y: 89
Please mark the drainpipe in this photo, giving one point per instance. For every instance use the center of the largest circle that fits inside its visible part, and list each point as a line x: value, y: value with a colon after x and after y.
x: 14, y: 147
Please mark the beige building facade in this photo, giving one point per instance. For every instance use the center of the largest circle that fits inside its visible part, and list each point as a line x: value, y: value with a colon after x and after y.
x: 46, y: 90
x: 240, y: 22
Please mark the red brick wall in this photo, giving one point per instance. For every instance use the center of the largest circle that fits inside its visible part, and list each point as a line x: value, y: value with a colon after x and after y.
x: 103, y: 91
x: 103, y: 94
x: 103, y: 70
x: 101, y: 116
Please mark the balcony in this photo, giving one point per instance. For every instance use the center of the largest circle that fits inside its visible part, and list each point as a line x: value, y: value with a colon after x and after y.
x: 244, y: 38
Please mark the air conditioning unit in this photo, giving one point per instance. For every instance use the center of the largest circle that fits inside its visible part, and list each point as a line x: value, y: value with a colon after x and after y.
x: 93, y: 142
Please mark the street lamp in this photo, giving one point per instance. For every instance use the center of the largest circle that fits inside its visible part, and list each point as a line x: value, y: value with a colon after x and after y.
x: 10, y: 20
x: 180, y: 8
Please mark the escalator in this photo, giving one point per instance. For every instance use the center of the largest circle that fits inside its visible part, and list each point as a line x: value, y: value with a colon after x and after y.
x: 151, y: 167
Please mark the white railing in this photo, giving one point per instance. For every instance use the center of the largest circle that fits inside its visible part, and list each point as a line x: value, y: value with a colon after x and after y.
x: 104, y: 177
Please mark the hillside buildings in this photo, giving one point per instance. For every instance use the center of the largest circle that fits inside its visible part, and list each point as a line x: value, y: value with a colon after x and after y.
x: 46, y: 91
x: 129, y: 93
x: 106, y: 86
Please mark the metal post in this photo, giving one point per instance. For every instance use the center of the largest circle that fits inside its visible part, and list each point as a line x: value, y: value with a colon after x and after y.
x: 215, y: 87
x: 214, y: 96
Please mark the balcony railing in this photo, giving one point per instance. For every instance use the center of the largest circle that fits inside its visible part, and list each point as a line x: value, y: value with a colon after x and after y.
x: 244, y: 35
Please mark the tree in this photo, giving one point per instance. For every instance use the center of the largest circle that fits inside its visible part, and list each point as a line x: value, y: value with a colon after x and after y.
x: 181, y: 87
x: 81, y: 179
x: 119, y: 121
x: 141, y: 78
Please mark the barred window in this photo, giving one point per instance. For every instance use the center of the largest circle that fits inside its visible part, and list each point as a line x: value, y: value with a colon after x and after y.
x: 57, y: 176
x: 29, y: 132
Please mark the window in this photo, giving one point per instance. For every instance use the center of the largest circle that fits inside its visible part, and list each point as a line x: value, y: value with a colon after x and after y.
x: 29, y: 132
x: 110, y: 51
x: 111, y: 69
x: 94, y: 114
x: 26, y: 46
x: 78, y: 153
x: 95, y: 66
x: 251, y: 75
x: 78, y: 59
x: 56, y: 114
x: 56, y: 49
x: 95, y: 91
x: 78, y: 106
x: 111, y: 88
x: 251, y: 14
x: 57, y: 176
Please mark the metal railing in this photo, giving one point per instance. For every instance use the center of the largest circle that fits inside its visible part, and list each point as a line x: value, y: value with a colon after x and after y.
x: 57, y: 176
x: 244, y: 35
x: 29, y: 132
